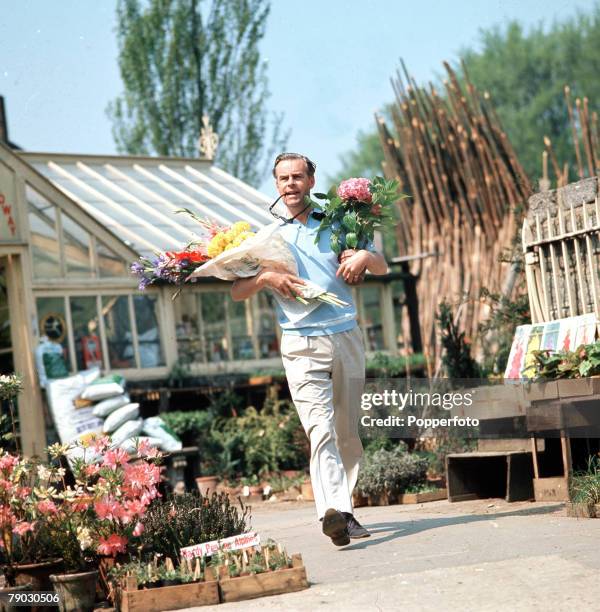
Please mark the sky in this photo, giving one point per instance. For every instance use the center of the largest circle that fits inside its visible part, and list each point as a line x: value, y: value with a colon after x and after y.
x: 329, y: 65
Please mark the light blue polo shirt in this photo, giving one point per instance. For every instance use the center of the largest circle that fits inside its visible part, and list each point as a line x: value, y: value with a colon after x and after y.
x: 317, y: 263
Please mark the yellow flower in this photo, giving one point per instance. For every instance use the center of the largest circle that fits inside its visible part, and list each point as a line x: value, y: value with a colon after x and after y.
x: 240, y: 226
x: 216, y: 245
x: 241, y: 237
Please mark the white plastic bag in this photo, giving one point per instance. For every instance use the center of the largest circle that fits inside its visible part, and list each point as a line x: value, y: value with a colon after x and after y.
x: 119, y: 416
x: 155, y: 427
x: 105, y: 387
x: 105, y: 407
x: 72, y: 423
x: 129, y: 429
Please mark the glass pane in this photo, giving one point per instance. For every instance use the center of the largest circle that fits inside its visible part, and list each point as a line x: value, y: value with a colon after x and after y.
x: 110, y: 264
x: 44, y: 237
x: 268, y: 345
x: 190, y: 342
x: 372, y: 318
x: 148, y: 331
x: 53, y: 323
x: 84, y: 319
x: 239, y: 324
x: 76, y: 243
x: 214, y: 323
x: 117, y: 323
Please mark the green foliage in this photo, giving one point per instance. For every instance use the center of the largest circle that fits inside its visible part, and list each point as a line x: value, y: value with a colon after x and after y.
x: 182, y: 59
x: 525, y: 73
x: 353, y: 223
x: 382, y: 365
x: 498, y: 330
x: 584, y: 487
x: 391, y: 471
x: 248, y: 444
x: 551, y: 365
x: 456, y: 356
x: 184, y: 520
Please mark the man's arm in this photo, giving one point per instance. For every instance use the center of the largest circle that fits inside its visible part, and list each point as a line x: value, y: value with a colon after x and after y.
x: 282, y: 282
x: 359, y: 262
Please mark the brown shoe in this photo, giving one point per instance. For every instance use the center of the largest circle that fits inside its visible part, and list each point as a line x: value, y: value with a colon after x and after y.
x: 355, y: 529
x: 335, y: 527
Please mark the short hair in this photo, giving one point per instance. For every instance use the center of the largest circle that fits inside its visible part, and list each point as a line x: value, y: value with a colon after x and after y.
x: 310, y: 165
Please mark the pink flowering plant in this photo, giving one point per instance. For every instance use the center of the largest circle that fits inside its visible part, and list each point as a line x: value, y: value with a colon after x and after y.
x: 355, y: 209
x: 27, y: 522
x: 101, y: 510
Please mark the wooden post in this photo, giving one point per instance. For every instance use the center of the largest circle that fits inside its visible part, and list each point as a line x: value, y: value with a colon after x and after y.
x: 565, y: 444
x: 536, y: 472
x: 412, y: 308
x: 31, y: 414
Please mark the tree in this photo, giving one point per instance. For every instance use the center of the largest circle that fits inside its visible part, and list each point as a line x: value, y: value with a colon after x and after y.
x: 525, y: 73
x: 181, y: 59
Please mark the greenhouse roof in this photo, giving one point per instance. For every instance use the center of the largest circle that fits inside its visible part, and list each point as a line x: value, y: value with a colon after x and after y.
x: 137, y: 197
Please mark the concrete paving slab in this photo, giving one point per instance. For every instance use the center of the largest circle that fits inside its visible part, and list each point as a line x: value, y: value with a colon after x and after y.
x: 482, y: 555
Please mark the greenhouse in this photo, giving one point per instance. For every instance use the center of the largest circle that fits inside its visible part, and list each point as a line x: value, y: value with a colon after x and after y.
x: 72, y: 225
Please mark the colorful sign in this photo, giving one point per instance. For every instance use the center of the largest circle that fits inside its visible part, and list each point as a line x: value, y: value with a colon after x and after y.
x: 560, y: 335
x: 206, y: 549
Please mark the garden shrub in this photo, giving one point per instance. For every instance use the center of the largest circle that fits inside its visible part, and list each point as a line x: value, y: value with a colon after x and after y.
x: 391, y: 471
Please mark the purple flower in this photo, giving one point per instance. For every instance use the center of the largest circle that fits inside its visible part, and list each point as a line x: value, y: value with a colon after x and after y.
x: 137, y: 268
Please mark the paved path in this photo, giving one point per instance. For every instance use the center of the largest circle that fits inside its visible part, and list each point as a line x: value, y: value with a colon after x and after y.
x: 481, y: 556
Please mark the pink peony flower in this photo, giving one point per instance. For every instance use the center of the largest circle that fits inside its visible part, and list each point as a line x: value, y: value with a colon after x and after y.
x: 23, y: 527
x: 139, y: 529
x: 112, y: 545
x: 355, y: 189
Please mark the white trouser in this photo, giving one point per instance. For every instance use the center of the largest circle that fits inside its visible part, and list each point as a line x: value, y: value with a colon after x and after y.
x: 326, y: 376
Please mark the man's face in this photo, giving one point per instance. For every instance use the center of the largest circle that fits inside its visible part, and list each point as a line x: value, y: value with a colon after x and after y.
x: 293, y: 182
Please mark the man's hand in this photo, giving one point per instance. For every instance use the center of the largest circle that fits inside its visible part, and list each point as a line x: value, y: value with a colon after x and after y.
x: 283, y: 282
x: 353, y: 266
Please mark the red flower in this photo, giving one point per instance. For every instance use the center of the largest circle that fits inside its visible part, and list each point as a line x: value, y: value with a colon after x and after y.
x: 112, y: 545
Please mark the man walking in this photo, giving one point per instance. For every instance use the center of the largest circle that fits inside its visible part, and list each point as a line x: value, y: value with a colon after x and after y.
x: 323, y: 353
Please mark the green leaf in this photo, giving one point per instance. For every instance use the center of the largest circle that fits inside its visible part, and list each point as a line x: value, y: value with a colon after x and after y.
x: 320, y: 196
x: 335, y: 244
x: 351, y: 240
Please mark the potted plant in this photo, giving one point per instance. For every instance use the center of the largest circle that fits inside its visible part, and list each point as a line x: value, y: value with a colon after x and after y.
x: 27, y: 524
x: 387, y: 473
x: 100, y: 516
x: 584, y: 491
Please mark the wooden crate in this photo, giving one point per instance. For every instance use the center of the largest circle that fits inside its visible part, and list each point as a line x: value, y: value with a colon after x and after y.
x: 169, y: 597
x: 420, y: 498
x: 551, y: 489
x: 262, y: 585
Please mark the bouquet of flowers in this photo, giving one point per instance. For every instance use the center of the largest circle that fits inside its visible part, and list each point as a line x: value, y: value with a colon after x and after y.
x: 176, y: 266
x: 355, y: 209
x: 230, y: 253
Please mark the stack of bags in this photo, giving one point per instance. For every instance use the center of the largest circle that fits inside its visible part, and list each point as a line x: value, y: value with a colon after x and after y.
x: 121, y: 418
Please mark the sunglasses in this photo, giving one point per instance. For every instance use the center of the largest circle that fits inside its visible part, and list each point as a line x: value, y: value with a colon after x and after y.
x: 281, y: 217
